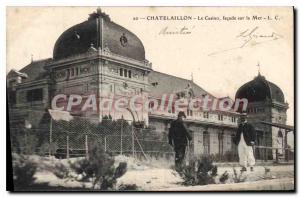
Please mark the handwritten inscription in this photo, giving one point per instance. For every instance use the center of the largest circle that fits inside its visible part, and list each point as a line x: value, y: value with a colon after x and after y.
x: 251, y: 37
x: 175, y: 31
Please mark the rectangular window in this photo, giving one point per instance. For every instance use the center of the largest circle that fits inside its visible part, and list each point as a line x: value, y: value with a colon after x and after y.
x: 260, y: 110
x: 220, y: 117
x: 72, y: 72
x: 125, y: 72
x: 189, y: 112
x: 68, y: 73
x: 221, y: 140
x: 205, y: 115
x: 77, y: 71
x: 121, y: 72
x: 232, y: 119
x: 12, y: 97
x: 35, y: 95
x: 206, y: 143
x: 129, y: 73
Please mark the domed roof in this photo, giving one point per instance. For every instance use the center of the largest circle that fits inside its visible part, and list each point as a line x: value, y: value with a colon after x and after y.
x: 99, y: 31
x: 259, y: 89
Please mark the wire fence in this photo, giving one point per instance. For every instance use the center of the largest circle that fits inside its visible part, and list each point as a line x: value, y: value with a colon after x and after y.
x: 64, y: 139
x: 74, y: 138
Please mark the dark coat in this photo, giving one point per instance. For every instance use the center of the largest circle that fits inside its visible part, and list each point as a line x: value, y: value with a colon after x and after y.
x: 248, y: 133
x: 178, y: 134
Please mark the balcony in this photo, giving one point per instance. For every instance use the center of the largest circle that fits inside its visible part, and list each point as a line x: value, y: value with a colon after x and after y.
x: 212, y: 119
x: 101, y: 53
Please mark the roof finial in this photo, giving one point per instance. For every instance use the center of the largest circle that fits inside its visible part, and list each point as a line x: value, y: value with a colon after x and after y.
x: 258, y: 68
x: 192, y: 77
x: 99, y: 14
x: 31, y: 57
x: 99, y: 11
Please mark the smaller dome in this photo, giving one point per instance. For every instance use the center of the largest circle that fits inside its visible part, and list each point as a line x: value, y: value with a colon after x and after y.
x: 259, y: 89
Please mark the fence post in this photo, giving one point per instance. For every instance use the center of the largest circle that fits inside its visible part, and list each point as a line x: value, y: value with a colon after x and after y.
x: 105, y: 149
x: 266, y: 154
x: 68, y: 155
x: 286, y: 150
x: 254, y: 151
x: 50, y: 137
x: 121, y: 151
x: 86, y: 147
x: 26, y: 145
x: 132, y: 138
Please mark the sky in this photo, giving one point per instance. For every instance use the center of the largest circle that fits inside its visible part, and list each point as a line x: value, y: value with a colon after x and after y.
x: 214, y: 53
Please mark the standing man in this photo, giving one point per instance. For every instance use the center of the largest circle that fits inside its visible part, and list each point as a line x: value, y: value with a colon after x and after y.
x: 245, y: 139
x: 178, y: 138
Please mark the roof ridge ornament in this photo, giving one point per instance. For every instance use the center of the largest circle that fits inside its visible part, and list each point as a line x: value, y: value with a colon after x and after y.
x: 92, y: 48
x: 258, y: 65
x: 106, y: 48
x: 99, y: 14
x: 258, y: 72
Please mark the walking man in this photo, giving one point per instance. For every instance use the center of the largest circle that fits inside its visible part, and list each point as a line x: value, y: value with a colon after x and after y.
x: 245, y: 139
x: 178, y: 139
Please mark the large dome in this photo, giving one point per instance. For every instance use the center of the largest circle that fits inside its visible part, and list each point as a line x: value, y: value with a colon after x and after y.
x: 99, y: 31
x: 259, y: 89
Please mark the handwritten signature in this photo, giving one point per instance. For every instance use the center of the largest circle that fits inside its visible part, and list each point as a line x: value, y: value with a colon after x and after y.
x: 250, y: 37
x: 176, y: 31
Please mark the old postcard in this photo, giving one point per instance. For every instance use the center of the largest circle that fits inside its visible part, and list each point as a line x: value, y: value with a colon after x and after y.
x: 151, y: 98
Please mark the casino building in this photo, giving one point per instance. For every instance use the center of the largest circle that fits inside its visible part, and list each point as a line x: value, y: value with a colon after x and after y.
x: 103, y: 58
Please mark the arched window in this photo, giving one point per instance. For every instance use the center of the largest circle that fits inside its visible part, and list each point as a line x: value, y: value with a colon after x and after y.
x: 221, y: 141
x: 280, y: 142
x: 233, y: 145
x: 280, y: 135
x: 121, y: 72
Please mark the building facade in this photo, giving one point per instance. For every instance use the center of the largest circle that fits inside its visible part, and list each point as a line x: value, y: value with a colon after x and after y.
x: 99, y: 57
x: 266, y: 103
